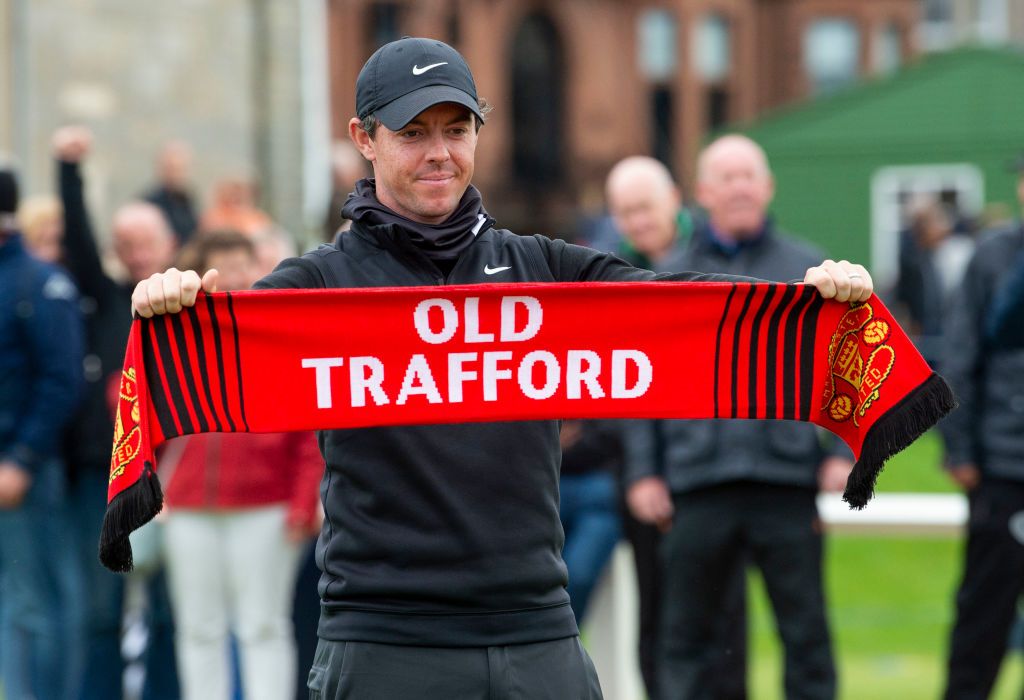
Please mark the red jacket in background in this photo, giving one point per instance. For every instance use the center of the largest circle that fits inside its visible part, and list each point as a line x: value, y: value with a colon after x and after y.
x: 245, y: 470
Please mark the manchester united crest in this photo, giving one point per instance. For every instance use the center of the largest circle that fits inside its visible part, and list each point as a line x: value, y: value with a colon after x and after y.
x: 127, y: 431
x: 860, y: 361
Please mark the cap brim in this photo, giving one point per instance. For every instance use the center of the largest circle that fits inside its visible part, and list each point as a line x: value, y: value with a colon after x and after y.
x: 399, y: 112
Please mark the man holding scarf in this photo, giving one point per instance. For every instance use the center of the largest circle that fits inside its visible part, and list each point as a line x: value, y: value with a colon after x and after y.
x: 441, y: 549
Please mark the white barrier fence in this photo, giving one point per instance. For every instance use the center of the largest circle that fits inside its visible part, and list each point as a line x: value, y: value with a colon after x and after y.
x: 612, y: 617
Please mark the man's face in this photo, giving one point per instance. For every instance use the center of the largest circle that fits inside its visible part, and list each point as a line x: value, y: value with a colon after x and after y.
x: 236, y: 268
x: 736, y: 188
x: 143, y: 245
x: 645, y: 213
x: 423, y: 169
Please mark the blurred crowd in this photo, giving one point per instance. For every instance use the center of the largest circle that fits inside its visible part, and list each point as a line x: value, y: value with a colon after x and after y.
x: 209, y: 606
x: 223, y: 601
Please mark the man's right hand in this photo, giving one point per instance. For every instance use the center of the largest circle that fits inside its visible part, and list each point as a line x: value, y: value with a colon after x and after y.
x: 71, y: 143
x: 966, y: 475
x: 650, y: 502
x: 171, y: 291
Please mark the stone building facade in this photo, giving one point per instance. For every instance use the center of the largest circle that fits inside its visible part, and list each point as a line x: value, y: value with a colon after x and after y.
x: 243, y: 81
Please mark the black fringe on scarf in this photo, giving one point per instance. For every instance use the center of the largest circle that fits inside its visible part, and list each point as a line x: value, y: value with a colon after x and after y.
x: 130, y: 510
x: 901, y: 425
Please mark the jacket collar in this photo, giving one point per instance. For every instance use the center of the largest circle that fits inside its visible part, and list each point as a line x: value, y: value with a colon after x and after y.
x: 706, y: 240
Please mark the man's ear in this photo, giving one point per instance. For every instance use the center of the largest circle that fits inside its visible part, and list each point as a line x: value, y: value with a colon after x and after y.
x: 361, y: 139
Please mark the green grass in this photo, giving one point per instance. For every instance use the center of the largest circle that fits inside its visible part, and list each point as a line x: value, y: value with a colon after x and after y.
x: 890, y: 605
x: 917, y: 469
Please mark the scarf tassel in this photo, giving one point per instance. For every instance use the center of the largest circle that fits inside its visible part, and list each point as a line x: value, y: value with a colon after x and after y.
x: 130, y: 510
x: 901, y: 425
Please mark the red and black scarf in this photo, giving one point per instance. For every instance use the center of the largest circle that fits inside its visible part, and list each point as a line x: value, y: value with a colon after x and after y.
x: 277, y: 361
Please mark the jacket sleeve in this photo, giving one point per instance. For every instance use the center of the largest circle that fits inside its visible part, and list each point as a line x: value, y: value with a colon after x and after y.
x: 54, y: 335
x: 1005, y: 327
x: 309, y: 471
x: 81, y: 253
x: 963, y: 364
x: 573, y: 263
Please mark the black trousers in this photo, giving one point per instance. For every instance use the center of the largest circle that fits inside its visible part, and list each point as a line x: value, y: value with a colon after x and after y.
x: 730, y: 672
x: 556, y: 670
x: 992, y: 582
x: 777, y: 527
x: 646, y: 540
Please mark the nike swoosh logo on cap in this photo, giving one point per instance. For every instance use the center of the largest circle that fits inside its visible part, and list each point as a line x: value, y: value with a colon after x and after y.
x: 488, y: 270
x: 416, y: 70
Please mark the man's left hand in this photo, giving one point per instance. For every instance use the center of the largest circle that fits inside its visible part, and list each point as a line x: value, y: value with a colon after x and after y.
x: 842, y: 281
x: 14, y: 484
x: 833, y: 473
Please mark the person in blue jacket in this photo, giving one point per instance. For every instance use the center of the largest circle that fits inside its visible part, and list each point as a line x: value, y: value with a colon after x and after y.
x: 41, y: 608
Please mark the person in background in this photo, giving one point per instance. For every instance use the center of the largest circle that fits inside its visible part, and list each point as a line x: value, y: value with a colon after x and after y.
x: 932, y: 263
x: 143, y: 243
x: 238, y: 508
x: 41, y: 587
x: 347, y: 168
x: 646, y: 207
x: 985, y: 457
x: 234, y: 208
x: 588, y: 505
x: 173, y: 192
x: 738, y: 489
x: 41, y: 221
x: 1006, y: 322
x: 273, y: 244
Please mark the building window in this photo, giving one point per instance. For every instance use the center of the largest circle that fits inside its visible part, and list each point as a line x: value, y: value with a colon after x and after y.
x: 992, y: 21
x: 712, y: 49
x: 385, y: 23
x: 657, y: 45
x: 937, y: 27
x: 662, y: 125
x: 717, y: 107
x: 712, y: 62
x: 537, y: 102
x: 887, y: 52
x: 454, y: 24
x: 831, y: 54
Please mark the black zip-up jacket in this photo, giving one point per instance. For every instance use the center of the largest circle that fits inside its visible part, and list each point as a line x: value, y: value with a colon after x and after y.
x: 445, y: 535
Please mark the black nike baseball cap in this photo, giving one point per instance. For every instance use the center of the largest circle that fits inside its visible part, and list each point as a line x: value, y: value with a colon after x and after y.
x: 405, y: 77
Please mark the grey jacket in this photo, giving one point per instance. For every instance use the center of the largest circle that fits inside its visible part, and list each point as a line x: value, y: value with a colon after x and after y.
x: 695, y: 454
x: 988, y: 427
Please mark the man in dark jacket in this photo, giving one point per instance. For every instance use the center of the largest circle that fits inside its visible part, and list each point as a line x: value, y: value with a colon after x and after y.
x: 42, y: 601
x: 735, y: 489
x: 441, y: 546
x: 646, y: 207
x: 985, y: 456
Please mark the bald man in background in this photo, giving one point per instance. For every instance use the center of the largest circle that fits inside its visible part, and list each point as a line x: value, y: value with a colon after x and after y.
x: 724, y: 492
x: 647, y: 209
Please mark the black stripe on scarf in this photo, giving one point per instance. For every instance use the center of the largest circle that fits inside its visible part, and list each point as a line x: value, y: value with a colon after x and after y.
x: 736, y: 348
x: 718, y: 342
